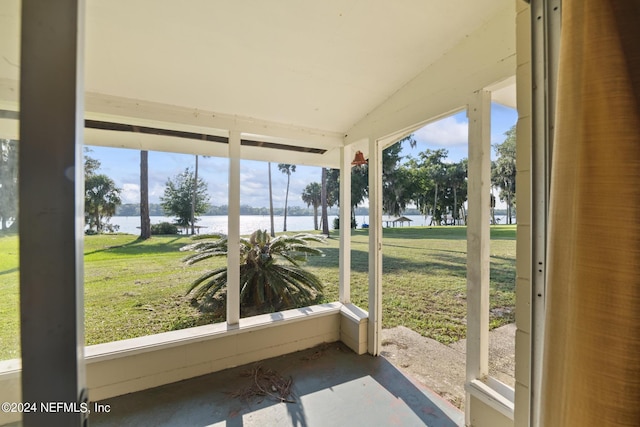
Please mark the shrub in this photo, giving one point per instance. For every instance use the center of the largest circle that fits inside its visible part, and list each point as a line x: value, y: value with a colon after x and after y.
x: 271, y: 275
x: 336, y: 223
x: 164, y: 228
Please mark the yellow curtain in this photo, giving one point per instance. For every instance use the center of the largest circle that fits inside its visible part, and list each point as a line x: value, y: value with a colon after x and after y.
x: 591, y: 371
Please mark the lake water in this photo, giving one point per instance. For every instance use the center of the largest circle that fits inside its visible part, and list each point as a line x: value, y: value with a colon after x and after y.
x: 250, y: 223
x: 218, y: 223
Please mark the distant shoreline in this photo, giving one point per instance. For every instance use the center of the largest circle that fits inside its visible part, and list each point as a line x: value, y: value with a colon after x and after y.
x: 249, y: 223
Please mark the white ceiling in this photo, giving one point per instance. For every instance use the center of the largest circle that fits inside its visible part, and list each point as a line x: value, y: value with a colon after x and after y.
x: 298, y: 70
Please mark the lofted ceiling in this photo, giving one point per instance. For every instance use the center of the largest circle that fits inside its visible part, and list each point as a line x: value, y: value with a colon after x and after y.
x: 314, y: 75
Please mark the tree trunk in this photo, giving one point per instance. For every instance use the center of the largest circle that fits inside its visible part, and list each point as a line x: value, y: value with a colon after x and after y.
x: 286, y: 200
x: 193, y: 199
x: 455, y: 206
x: 315, y: 217
x: 145, y: 220
x: 435, y: 207
x: 492, y: 211
x: 273, y: 228
x: 323, y: 198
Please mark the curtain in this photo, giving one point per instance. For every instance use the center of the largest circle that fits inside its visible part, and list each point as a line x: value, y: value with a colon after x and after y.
x: 591, y: 374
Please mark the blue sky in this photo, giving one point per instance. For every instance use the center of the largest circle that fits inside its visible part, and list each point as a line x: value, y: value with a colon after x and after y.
x: 123, y: 165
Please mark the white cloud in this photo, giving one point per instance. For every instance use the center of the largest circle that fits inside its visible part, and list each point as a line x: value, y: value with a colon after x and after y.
x: 447, y: 132
x: 156, y: 190
x: 130, y: 193
x: 253, y: 180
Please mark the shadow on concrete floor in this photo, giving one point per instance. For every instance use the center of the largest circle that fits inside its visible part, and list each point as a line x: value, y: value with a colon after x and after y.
x: 331, y: 386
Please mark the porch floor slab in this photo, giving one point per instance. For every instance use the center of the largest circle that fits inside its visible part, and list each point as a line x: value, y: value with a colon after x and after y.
x: 331, y: 385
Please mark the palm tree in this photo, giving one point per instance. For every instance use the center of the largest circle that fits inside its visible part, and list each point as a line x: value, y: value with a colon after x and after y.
x: 271, y: 275
x: 288, y: 170
x: 311, y: 195
x: 101, y: 198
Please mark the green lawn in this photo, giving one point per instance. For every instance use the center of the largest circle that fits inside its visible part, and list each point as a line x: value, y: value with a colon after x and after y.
x: 137, y: 288
x: 9, y: 302
x: 424, y: 278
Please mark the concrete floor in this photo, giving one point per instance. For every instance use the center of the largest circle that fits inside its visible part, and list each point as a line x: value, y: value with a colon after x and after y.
x: 332, y: 386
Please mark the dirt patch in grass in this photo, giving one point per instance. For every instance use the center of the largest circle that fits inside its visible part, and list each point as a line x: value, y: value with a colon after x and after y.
x: 442, y: 367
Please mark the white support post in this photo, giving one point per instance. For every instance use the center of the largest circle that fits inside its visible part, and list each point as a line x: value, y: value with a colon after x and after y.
x: 345, y: 225
x: 375, y: 248
x: 51, y: 217
x: 478, y: 238
x: 546, y: 17
x: 233, y: 233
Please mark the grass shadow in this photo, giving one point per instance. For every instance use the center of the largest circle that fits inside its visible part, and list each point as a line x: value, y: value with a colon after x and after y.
x: 448, y: 232
x: 444, y: 263
x: 9, y: 271
x: 144, y: 247
x: 421, y: 233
